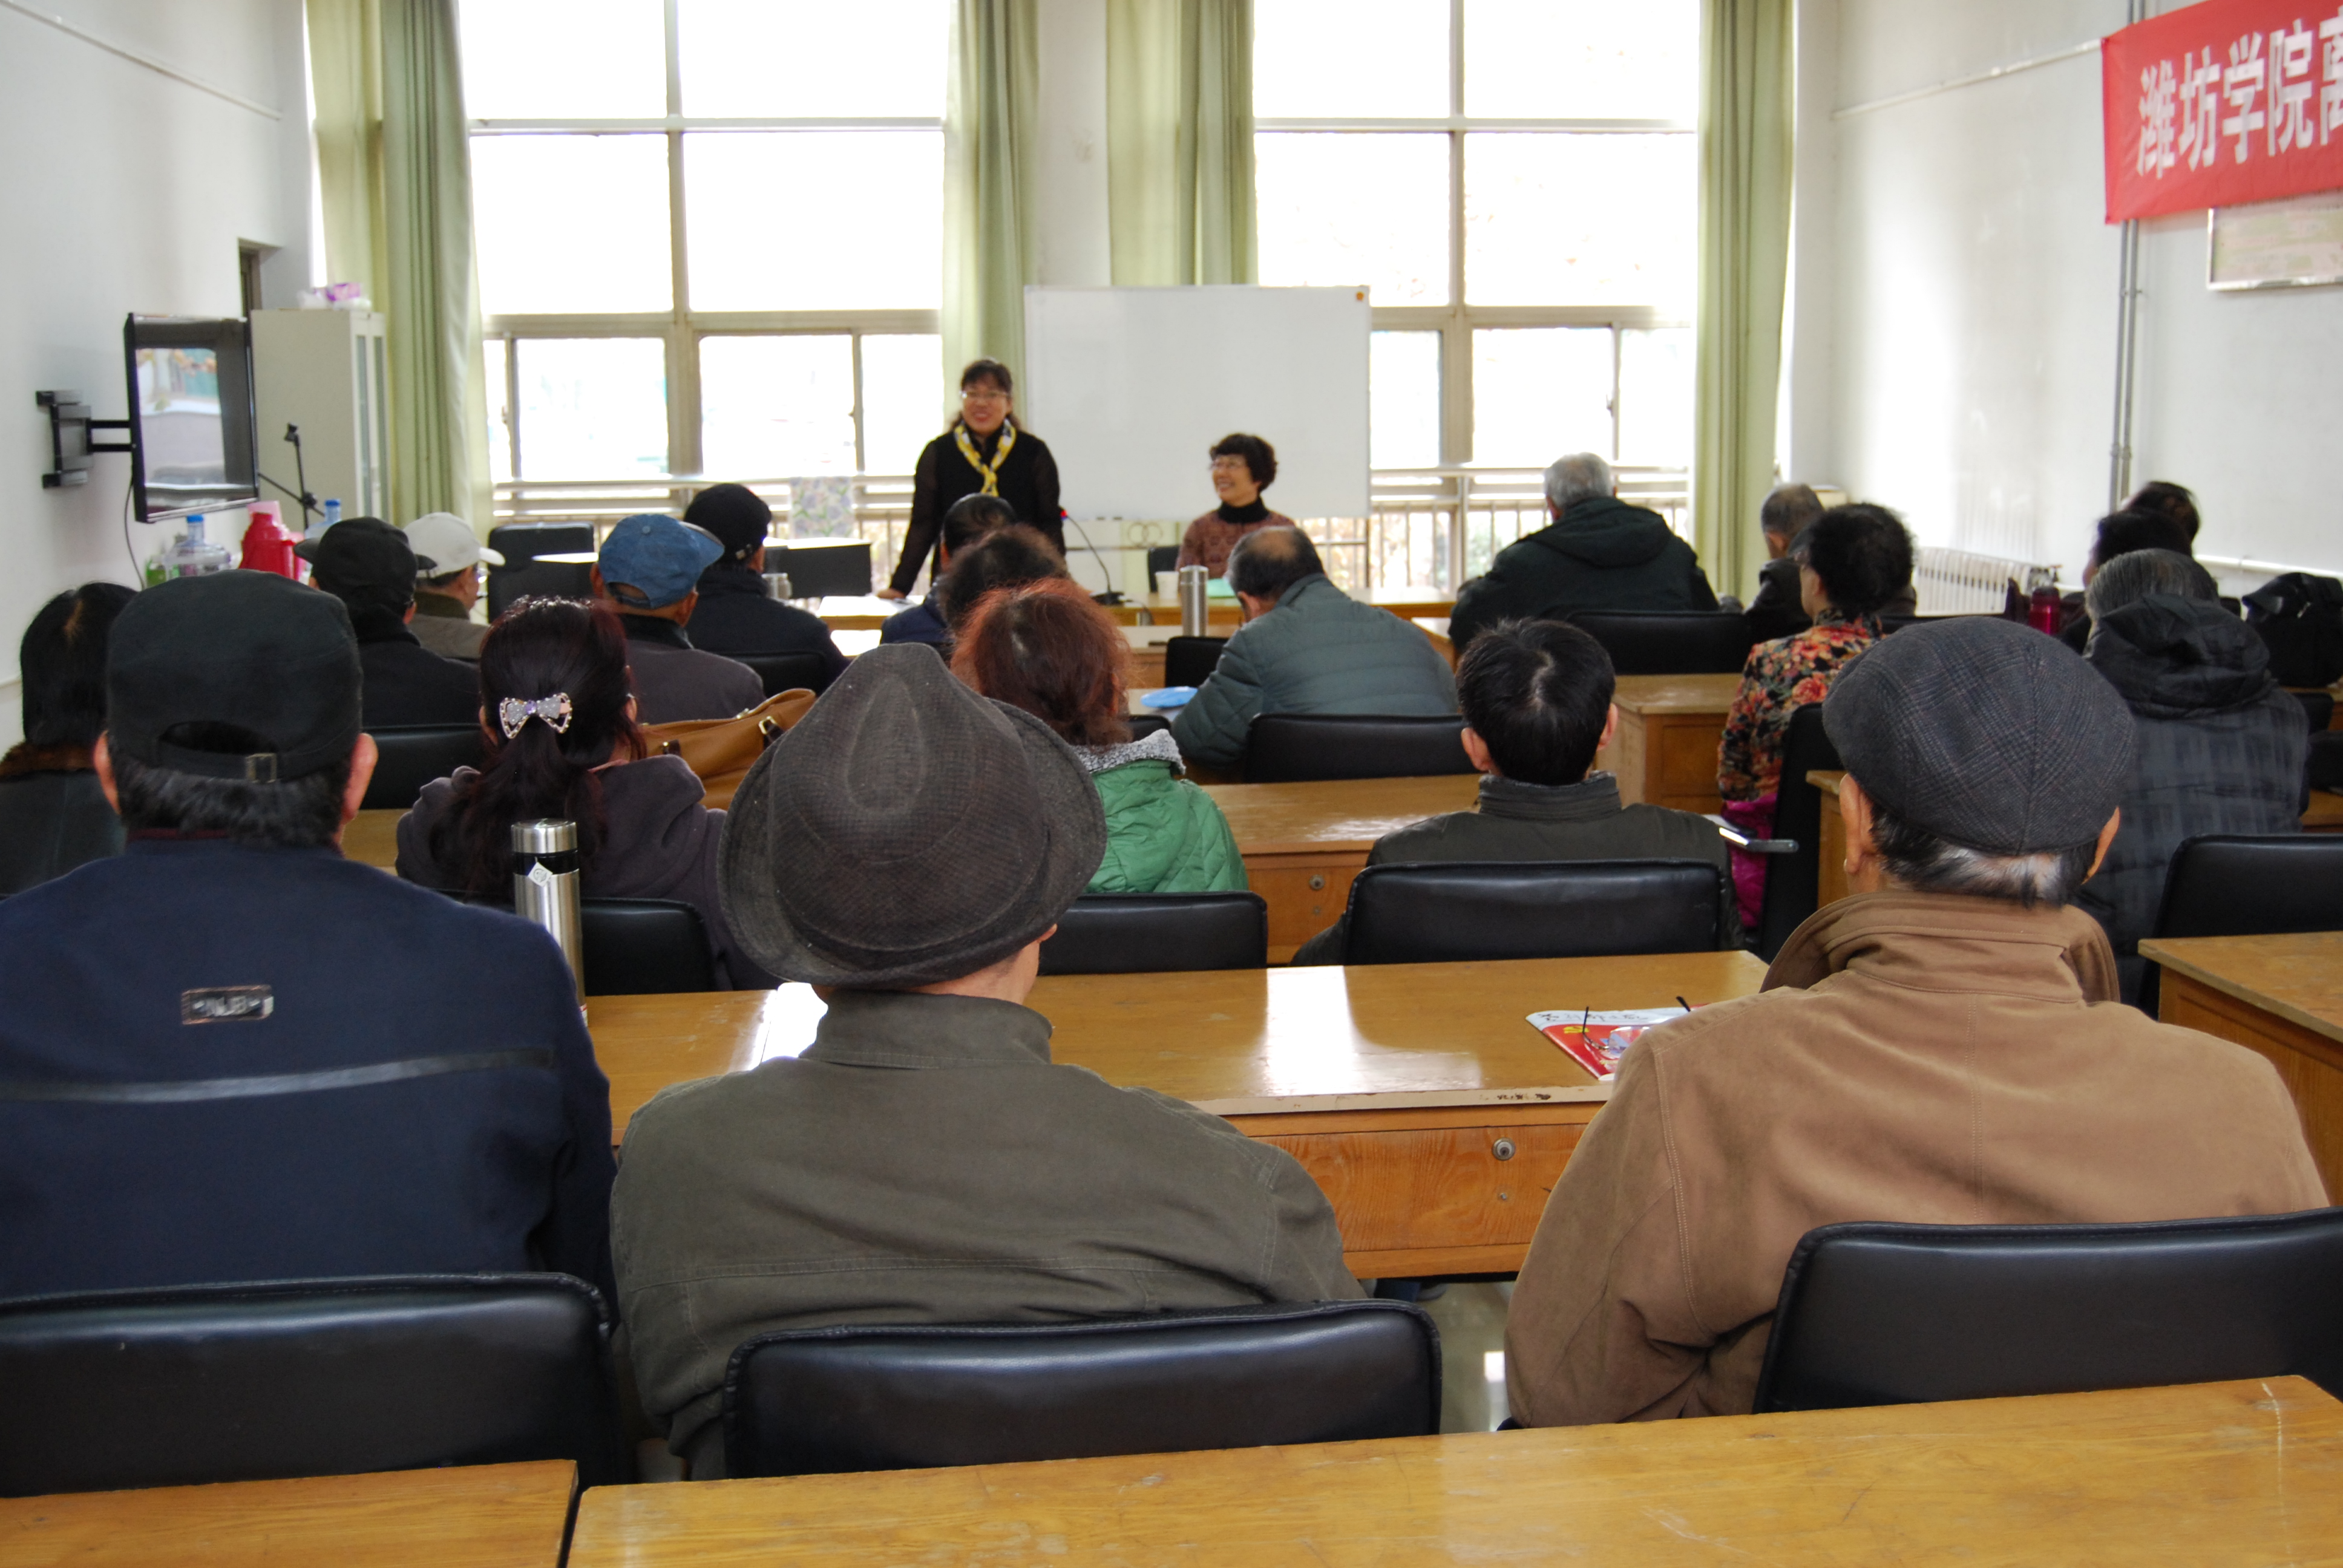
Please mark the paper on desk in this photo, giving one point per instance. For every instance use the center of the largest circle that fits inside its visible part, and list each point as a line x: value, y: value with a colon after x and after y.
x: 1596, y: 1040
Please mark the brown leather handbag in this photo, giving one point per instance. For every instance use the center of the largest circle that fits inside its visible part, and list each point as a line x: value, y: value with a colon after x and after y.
x: 722, y: 751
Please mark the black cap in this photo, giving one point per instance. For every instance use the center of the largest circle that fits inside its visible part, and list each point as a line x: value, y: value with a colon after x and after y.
x: 364, y: 559
x: 1985, y: 733
x: 735, y: 514
x: 250, y: 649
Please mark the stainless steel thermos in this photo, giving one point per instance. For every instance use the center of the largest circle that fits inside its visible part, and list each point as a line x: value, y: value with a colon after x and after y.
x: 545, y: 886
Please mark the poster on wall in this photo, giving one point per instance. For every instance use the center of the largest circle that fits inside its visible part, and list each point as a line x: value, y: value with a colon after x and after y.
x: 2290, y: 244
x: 2221, y: 103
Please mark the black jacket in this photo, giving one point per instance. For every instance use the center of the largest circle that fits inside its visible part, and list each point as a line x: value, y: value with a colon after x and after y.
x: 1028, y: 483
x: 2221, y: 751
x: 1601, y: 554
x: 406, y: 683
x: 1778, y: 611
x: 734, y: 616
x: 51, y: 820
x: 392, y: 1083
x: 1516, y: 822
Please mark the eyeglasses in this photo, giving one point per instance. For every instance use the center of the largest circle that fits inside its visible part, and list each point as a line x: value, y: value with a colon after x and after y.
x: 1230, y: 466
x: 983, y: 395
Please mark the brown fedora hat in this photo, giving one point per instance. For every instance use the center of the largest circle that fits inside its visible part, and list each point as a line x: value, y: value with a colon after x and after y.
x: 906, y: 831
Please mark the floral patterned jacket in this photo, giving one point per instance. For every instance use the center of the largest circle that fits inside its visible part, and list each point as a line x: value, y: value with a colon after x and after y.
x: 1781, y: 677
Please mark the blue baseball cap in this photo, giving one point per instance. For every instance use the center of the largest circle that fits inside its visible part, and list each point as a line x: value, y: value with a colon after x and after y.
x: 658, y: 558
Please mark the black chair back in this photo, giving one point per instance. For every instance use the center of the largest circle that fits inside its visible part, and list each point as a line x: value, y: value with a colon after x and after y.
x: 1289, y: 748
x: 1146, y: 724
x: 1878, y: 1313
x: 2324, y: 767
x: 1187, y: 660
x: 200, y: 1383
x: 408, y: 758
x: 2318, y: 709
x: 1162, y: 559
x: 821, y: 1401
x: 644, y: 947
x: 1794, y: 881
x: 2241, y: 885
x: 1155, y: 933
x: 818, y: 568
x: 523, y: 574
x: 788, y: 671
x: 1670, y: 642
x: 1468, y: 910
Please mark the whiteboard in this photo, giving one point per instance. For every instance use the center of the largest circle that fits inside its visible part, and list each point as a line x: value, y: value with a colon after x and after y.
x: 1130, y: 388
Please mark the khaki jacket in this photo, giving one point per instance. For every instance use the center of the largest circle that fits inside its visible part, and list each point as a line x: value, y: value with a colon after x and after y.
x: 924, y: 1162
x: 1912, y: 1057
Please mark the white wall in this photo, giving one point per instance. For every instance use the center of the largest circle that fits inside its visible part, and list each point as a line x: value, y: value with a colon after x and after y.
x: 126, y: 190
x: 1954, y: 320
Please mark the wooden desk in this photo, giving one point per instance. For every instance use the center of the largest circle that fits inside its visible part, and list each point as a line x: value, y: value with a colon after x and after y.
x: 371, y: 837
x: 858, y: 612
x: 2281, y: 996
x: 2220, y: 1474
x: 1305, y: 844
x: 1392, y: 1085
x: 475, y: 1517
x: 2325, y: 812
x: 1664, y: 752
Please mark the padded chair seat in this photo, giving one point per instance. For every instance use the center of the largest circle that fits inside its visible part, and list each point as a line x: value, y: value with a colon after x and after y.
x: 1292, y: 747
x: 1157, y: 933
x: 1463, y: 910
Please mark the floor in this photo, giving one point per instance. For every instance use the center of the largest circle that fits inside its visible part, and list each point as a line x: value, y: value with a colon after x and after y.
x: 1472, y: 1320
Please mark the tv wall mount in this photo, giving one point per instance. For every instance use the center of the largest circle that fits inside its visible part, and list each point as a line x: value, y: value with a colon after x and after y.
x: 70, y: 448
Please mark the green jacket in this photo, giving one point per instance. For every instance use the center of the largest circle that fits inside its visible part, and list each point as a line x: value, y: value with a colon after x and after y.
x: 1163, y: 835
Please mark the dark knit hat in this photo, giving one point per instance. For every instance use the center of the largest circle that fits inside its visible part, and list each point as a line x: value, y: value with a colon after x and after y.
x: 906, y: 831
x: 735, y: 514
x: 1984, y: 733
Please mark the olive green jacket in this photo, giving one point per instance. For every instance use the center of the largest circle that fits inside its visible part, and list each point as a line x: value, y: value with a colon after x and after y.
x: 1163, y: 834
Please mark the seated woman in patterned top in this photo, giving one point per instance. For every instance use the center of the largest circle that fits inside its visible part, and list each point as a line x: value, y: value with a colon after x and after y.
x: 1242, y: 467
x: 1857, y: 558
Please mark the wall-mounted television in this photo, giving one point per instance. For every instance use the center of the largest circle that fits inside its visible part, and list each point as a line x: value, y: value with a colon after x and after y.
x: 191, y: 442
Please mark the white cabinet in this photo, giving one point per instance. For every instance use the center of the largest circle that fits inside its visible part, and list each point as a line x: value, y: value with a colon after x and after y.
x: 325, y: 371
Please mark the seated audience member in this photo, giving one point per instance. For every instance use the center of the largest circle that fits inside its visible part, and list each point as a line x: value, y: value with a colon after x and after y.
x: 649, y: 571
x: 2174, y: 503
x: 2118, y: 534
x: 1004, y: 558
x: 563, y: 743
x: 1776, y: 609
x: 1536, y: 696
x: 1306, y: 647
x: 735, y: 615
x: 1050, y: 650
x: 2221, y: 743
x: 448, y: 560
x: 235, y: 1055
x: 1944, y: 1047
x: 1242, y: 467
x: 966, y: 520
x: 370, y: 567
x: 1855, y: 559
x: 905, y: 849
x: 1598, y: 553
x: 52, y: 815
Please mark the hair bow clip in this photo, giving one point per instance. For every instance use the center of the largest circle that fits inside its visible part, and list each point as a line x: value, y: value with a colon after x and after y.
x: 553, y: 711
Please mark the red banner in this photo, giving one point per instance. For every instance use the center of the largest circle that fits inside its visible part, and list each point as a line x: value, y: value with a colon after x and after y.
x: 2222, y: 103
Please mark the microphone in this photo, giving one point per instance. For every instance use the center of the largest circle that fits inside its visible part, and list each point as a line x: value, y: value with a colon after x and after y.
x: 1112, y: 596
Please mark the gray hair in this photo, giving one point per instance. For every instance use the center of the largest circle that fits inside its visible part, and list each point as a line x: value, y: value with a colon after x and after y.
x: 1580, y: 476
x: 1926, y: 863
x: 2136, y: 574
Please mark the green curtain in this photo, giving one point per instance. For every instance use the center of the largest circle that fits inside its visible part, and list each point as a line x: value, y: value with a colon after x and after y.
x: 394, y: 176
x: 1747, y: 103
x: 1180, y: 173
x: 992, y: 100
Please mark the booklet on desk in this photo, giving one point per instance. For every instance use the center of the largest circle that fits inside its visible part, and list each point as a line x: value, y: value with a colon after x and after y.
x: 1596, y: 1040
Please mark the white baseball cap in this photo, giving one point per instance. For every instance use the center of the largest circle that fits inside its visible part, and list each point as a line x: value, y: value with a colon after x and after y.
x: 445, y: 543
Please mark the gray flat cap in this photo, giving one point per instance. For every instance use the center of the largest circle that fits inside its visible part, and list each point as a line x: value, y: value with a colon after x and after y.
x: 1985, y: 733
x: 906, y: 831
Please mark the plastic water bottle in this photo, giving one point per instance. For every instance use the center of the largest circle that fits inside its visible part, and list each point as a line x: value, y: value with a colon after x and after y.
x: 333, y: 515
x: 191, y: 555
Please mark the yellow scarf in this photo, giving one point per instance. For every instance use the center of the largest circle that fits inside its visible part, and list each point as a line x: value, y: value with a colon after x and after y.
x: 992, y: 474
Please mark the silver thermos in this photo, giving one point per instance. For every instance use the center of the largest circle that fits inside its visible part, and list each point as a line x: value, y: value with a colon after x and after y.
x: 1195, y: 608
x: 545, y: 886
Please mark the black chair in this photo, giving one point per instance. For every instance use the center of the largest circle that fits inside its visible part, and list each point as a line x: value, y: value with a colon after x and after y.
x: 1670, y: 642
x: 1146, y: 724
x: 1437, y: 913
x: 818, y: 568
x: 1187, y: 660
x: 200, y: 1383
x: 2323, y: 768
x: 1156, y: 933
x: 408, y: 758
x: 788, y: 671
x: 1876, y: 1313
x: 2318, y: 707
x: 823, y: 1400
x: 1793, y: 881
x: 1161, y: 558
x: 1289, y: 748
x: 644, y: 947
x: 2239, y: 885
x: 523, y: 574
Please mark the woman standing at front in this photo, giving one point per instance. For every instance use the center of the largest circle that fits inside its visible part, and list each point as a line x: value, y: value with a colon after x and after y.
x: 984, y: 453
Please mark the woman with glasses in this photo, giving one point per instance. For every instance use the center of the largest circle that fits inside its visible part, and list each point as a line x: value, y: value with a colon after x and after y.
x: 985, y: 453
x: 1242, y: 467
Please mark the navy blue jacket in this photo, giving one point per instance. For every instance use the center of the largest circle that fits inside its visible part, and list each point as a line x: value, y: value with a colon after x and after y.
x: 221, y: 1063
x: 734, y: 616
x: 923, y: 622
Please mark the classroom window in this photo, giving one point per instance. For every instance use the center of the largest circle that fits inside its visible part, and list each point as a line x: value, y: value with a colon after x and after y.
x: 1515, y: 182
x: 709, y: 233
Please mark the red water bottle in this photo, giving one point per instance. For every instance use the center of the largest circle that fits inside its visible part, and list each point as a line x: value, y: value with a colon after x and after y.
x: 2042, y: 609
x: 267, y: 548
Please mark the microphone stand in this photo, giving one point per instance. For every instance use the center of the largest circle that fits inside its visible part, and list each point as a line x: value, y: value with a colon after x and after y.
x: 1112, y: 595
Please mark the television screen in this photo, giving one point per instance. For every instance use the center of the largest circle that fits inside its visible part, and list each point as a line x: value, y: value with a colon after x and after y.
x: 190, y: 415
